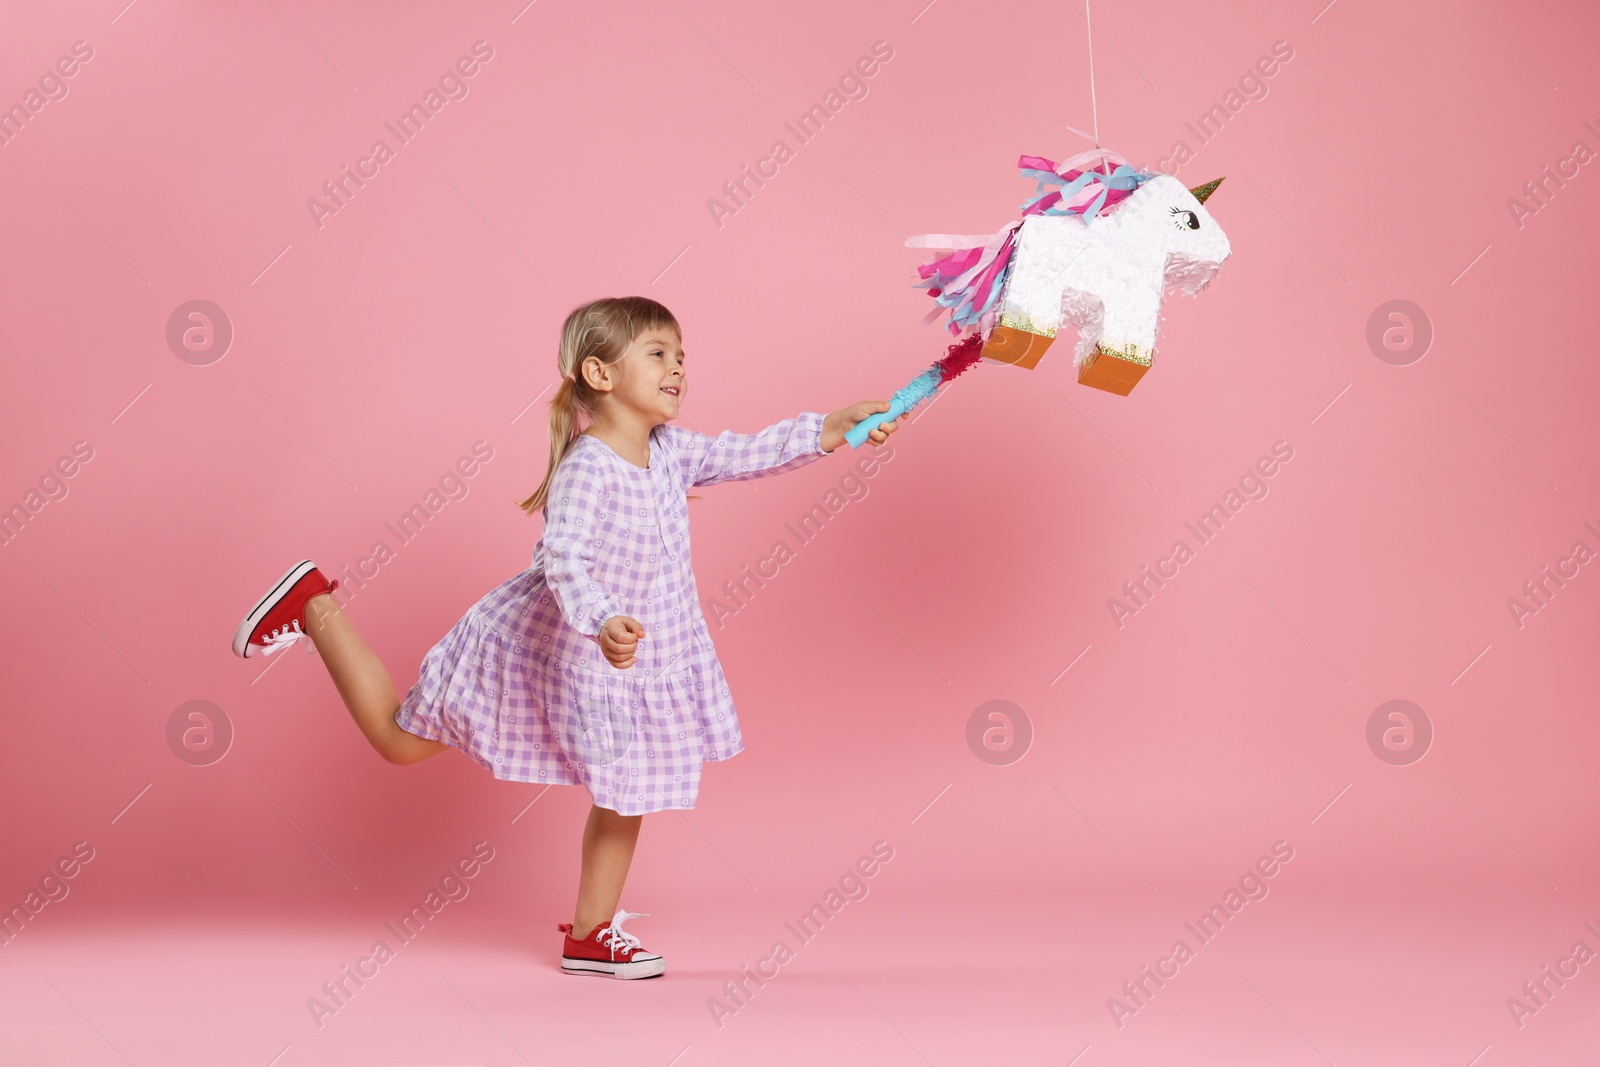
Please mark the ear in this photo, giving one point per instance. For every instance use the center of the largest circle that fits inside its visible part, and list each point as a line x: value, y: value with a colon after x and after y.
x: 597, y: 375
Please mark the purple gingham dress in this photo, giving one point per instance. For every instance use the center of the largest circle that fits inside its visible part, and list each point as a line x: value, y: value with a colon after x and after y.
x: 520, y: 684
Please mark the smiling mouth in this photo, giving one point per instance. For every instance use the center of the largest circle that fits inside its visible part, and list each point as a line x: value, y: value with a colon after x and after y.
x: 670, y: 390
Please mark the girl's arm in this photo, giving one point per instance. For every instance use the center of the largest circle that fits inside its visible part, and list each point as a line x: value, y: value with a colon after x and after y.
x: 571, y: 532
x: 731, y: 456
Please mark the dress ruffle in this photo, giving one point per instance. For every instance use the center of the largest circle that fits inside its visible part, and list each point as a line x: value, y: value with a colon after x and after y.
x: 635, y: 743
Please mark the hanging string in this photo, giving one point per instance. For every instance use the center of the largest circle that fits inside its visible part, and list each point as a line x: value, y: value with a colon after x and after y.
x: 1094, y: 106
x: 1094, y: 110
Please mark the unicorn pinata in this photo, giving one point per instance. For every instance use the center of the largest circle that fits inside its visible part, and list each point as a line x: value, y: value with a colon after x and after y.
x: 1058, y: 263
x: 1099, y: 245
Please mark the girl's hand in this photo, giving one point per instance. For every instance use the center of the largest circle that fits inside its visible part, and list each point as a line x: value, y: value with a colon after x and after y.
x: 619, y: 638
x: 837, y: 424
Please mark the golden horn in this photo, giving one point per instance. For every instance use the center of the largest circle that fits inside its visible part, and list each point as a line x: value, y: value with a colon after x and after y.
x: 1202, y: 191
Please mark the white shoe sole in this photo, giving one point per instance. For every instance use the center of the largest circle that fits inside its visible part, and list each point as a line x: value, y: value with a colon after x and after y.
x: 241, y: 638
x: 603, y: 969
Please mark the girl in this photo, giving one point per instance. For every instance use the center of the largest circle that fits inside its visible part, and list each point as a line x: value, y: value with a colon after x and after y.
x: 594, y: 666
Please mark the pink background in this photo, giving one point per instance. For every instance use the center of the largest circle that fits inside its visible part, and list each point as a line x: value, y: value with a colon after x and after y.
x: 1228, y: 714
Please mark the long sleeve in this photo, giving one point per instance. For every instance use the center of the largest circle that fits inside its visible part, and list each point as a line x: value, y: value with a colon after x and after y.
x: 730, y: 456
x: 571, y: 536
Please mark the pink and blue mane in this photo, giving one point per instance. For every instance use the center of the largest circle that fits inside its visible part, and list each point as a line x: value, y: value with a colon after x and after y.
x: 969, y: 281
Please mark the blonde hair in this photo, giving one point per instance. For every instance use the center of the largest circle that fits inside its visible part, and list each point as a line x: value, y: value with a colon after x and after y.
x: 602, y: 329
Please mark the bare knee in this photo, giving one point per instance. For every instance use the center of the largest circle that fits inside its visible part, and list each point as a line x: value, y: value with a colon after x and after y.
x: 423, y: 749
x: 397, y: 755
x: 401, y: 747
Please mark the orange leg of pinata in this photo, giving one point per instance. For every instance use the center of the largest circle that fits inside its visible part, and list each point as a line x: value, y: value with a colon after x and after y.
x: 1102, y: 370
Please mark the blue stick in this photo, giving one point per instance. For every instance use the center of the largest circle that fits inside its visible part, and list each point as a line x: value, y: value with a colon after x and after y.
x: 916, y: 391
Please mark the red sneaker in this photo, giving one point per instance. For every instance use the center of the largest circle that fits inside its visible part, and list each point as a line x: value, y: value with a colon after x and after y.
x: 610, y: 950
x: 279, y: 620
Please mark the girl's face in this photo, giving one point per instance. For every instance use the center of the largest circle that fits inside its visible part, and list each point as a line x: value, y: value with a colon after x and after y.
x: 650, y: 377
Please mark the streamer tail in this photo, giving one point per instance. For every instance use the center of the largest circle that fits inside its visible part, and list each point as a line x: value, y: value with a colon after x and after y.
x: 960, y: 356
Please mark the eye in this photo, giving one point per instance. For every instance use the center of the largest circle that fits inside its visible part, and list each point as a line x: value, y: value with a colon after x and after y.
x: 1186, y: 219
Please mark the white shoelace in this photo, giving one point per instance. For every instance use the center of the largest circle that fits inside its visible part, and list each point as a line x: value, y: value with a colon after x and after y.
x: 282, y: 638
x: 614, y: 935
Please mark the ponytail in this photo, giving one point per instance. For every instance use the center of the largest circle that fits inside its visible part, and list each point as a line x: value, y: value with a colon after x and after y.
x: 562, y: 430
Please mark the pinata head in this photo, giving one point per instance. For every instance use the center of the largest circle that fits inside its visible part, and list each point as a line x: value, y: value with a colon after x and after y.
x: 1200, y: 192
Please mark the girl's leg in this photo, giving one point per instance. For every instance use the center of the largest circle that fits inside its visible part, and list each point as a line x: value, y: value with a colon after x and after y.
x: 608, y: 841
x: 363, y: 683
